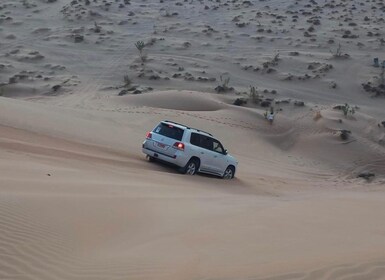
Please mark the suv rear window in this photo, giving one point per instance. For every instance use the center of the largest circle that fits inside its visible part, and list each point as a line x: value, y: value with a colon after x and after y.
x: 170, y: 131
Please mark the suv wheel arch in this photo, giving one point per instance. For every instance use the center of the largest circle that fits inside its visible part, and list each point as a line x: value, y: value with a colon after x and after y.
x: 186, y: 169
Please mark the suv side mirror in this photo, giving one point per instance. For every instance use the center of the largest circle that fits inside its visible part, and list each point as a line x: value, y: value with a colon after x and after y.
x: 225, y: 152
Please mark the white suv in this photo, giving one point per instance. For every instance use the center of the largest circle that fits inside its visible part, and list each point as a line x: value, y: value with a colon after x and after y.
x: 190, y: 149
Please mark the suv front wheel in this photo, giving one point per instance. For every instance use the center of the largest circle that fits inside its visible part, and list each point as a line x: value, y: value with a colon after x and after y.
x: 229, y: 173
x: 191, y: 167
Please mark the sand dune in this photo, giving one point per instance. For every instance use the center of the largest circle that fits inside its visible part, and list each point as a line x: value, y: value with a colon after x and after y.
x: 184, y: 101
x: 78, y: 200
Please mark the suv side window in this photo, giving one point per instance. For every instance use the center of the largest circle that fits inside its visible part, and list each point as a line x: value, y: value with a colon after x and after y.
x: 195, y: 139
x: 206, y: 142
x: 217, y: 147
x: 202, y: 141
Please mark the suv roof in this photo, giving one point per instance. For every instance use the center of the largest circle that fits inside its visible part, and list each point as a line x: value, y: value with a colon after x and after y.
x: 186, y: 127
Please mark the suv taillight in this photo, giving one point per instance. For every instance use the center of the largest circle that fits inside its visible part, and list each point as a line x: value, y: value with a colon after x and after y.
x: 179, y: 146
x: 148, y: 135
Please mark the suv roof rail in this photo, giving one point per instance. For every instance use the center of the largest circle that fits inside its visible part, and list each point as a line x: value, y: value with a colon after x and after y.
x: 201, y: 131
x: 176, y: 123
x: 189, y: 127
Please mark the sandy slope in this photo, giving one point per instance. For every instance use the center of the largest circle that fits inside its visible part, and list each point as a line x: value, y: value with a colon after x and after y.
x: 78, y: 200
x: 72, y: 210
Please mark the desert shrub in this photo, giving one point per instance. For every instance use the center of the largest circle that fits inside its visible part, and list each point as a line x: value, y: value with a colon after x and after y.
x: 377, y: 87
x: 127, y: 81
x: 266, y: 113
x: 275, y: 59
x: 240, y: 101
x: 272, y: 62
x: 317, y: 115
x: 224, y: 87
x: 140, y: 46
x: 337, y: 53
x: 97, y: 28
x: 225, y: 81
x: 344, y: 134
x: 347, y: 110
x: 254, y: 95
x: 366, y: 175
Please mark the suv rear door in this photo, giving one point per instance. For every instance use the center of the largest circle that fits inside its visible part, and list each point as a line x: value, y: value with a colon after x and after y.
x: 164, y: 136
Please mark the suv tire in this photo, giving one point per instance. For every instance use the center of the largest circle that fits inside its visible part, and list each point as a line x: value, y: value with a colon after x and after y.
x: 191, y: 167
x: 229, y: 173
x: 150, y: 158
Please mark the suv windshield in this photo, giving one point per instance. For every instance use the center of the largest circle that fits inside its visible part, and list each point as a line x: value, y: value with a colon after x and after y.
x: 170, y: 131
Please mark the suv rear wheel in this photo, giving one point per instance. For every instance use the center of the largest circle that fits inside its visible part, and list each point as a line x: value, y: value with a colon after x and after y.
x: 191, y: 167
x: 229, y: 173
x: 150, y: 158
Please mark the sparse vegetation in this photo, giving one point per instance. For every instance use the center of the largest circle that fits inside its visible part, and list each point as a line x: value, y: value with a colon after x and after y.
x: 266, y: 113
x: 344, y: 134
x: 254, y: 96
x: 224, y: 87
x: 12, y: 80
x: 272, y: 62
x: 337, y: 53
x: 127, y: 81
x: 347, y: 110
x: 140, y: 46
x: 167, y: 13
x: 240, y: 101
x: 366, y: 175
x: 225, y: 81
x: 97, y: 28
x: 377, y: 84
x: 275, y: 59
x: 317, y: 115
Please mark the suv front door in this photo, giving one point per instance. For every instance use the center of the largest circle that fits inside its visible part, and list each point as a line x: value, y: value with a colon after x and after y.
x: 219, y: 162
x: 211, y: 153
x: 215, y: 156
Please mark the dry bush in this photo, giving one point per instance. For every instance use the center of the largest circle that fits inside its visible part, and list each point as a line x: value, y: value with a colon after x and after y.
x: 317, y: 115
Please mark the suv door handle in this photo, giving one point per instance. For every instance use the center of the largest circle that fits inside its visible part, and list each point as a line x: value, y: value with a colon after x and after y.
x: 202, y: 153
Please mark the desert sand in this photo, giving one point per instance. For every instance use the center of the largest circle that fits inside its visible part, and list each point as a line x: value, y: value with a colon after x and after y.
x: 78, y: 200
